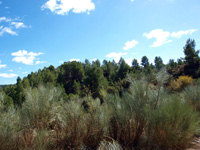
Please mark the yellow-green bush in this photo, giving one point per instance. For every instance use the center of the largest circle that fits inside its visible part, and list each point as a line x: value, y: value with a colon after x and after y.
x: 181, y: 83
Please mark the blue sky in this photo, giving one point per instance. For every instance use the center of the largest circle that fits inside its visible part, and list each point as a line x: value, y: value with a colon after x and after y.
x: 39, y: 33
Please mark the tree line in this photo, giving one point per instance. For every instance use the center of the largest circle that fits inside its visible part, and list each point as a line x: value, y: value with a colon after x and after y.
x: 95, y: 79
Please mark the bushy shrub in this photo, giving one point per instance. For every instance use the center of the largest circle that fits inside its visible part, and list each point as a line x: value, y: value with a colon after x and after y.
x: 192, y: 95
x: 181, y: 83
x: 148, y: 117
x: 36, y: 110
x: 144, y: 116
x: 173, y: 125
x: 84, y: 127
x: 130, y: 114
x: 8, y: 126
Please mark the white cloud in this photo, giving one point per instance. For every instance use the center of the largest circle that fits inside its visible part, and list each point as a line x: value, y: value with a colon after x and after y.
x: 2, y: 66
x: 11, y: 25
x: 132, y: 0
x: 24, y: 52
x: 130, y: 44
x: 134, y: 53
x: 179, y: 34
x: 40, y: 62
x: 74, y: 60
x: 4, y: 19
x: 11, y: 70
x: 22, y: 56
x: 0, y: 2
x: 6, y: 75
x: 116, y: 56
x: 62, y: 7
x: 18, y: 25
x: 25, y: 60
x: 7, y: 30
x: 61, y: 61
x: 160, y: 36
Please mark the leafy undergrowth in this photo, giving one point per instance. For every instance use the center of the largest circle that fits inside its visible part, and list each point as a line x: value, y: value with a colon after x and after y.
x: 144, y: 117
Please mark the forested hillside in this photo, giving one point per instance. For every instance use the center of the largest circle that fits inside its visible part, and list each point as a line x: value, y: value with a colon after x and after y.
x: 104, y: 106
x: 95, y: 79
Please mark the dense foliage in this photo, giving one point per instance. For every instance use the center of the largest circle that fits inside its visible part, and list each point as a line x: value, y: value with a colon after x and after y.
x: 104, y: 106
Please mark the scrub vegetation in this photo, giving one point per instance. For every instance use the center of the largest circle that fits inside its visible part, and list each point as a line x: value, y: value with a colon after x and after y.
x: 109, y: 106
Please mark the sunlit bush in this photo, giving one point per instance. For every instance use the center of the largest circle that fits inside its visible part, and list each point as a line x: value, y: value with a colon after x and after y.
x: 181, y: 83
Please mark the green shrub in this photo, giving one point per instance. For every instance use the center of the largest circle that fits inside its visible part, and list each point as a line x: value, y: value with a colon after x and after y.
x: 173, y: 125
x: 83, y: 127
x: 36, y: 110
x: 8, y: 126
x: 192, y: 95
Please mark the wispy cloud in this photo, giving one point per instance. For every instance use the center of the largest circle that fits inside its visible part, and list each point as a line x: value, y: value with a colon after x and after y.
x: 130, y: 44
x: 2, y: 65
x: 6, y: 75
x: 62, y: 7
x: 132, y: 0
x: 179, y: 34
x: 115, y: 56
x: 7, y: 30
x: 5, y: 19
x: 162, y: 37
x: 18, y: 25
x: 11, y: 26
x: 40, y: 62
x: 0, y: 2
x: 22, y: 56
x: 74, y: 60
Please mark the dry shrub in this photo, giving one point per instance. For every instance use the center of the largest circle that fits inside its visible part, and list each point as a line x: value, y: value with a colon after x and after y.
x: 83, y: 128
x: 173, y: 125
x: 8, y: 127
x: 36, y: 110
x: 129, y: 115
x: 192, y: 95
x: 105, y: 145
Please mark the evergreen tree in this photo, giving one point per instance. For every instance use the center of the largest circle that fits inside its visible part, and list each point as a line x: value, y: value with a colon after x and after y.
x: 158, y: 62
x: 135, y: 64
x: 145, y: 61
x: 191, y: 56
x: 123, y: 69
